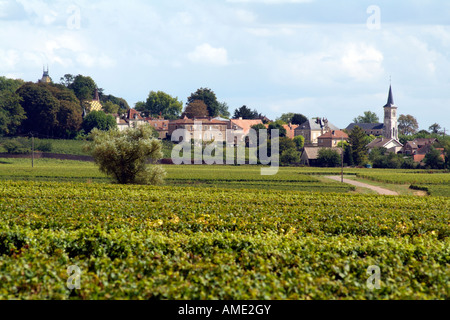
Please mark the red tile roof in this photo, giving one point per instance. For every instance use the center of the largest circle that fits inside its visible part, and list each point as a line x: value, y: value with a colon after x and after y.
x: 337, y: 134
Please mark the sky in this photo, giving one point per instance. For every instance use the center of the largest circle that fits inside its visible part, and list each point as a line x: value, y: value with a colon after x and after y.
x: 322, y: 58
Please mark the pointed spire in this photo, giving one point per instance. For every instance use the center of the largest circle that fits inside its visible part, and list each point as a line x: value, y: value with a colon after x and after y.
x: 390, y: 102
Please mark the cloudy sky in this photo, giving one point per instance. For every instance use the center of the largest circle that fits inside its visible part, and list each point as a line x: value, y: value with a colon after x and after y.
x: 323, y: 58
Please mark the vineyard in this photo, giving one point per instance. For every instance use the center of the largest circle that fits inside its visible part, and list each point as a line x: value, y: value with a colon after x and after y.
x: 134, y: 242
x: 436, y: 183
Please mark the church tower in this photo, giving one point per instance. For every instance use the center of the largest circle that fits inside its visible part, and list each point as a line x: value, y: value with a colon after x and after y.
x: 390, y: 130
x: 45, y: 77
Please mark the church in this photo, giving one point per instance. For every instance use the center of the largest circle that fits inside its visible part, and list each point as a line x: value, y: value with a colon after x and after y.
x: 45, y: 77
x: 387, y: 130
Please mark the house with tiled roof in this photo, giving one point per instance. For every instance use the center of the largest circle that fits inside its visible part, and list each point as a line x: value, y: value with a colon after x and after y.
x: 411, y: 147
x: 422, y: 153
x: 132, y: 119
x: 391, y: 145
x: 290, y: 130
x: 240, y: 129
x: 312, y: 129
x: 160, y: 125
x: 199, y: 129
x: 331, y: 139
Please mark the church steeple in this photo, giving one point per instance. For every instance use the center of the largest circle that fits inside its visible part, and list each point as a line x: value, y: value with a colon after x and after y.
x: 390, y: 118
x: 390, y: 98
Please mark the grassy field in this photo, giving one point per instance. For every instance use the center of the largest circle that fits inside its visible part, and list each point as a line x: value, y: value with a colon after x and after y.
x: 215, y: 233
x: 75, y: 147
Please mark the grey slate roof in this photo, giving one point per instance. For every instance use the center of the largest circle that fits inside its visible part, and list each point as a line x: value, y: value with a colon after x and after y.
x: 366, y: 126
x: 316, y: 124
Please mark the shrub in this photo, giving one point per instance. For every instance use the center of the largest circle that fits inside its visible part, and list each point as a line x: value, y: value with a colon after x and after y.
x: 329, y: 158
x: 123, y: 155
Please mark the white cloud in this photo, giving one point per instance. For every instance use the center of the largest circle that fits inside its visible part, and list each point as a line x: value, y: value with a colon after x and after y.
x: 206, y: 54
x: 331, y: 65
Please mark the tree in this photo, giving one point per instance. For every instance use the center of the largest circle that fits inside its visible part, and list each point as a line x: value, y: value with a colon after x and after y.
x: 368, y: 117
x: 98, y: 120
x: 11, y: 113
x: 196, y: 109
x: 123, y: 155
x: 122, y: 103
x: 290, y: 156
x: 329, y: 158
x: 10, y: 85
x: 299, y: 119
x: 84, y: 87
x: 358, y: 141
x: 41, y: 109
x: 277, y: 125
x: 407, y: 125
x: 69, y: 119
x: 348, y: 155
x: 300, y: 142
x: 434, y: 160
x: 209, y: 98
x: 110, y: 108
x: 224, y: 110
x: 286, y: 117
x: 294, y: 118
x: 435, y: 128
x: 162, y: 104
x: 245, y: 113
x: 67, y: 80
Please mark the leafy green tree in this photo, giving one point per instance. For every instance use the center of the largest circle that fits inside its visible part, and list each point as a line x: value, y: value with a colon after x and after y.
x: 446, y: 145
x: 294, y: 118
x: 358, y: 141
x: 61, y: 93
x: 98, y: 120
x: 84, y: 87
x: 435, y: 128
x: 278, y: 125
x: 209, y: 98
x: 299, y: 119
x: 224, y: 110
x: 368, y: 117
x: 124, y: 155
x: 285, y: 143
x: 245, y: 113
x: 407, y: 125
x: 329, y: 158
x: 161, y: 103
x: 434, y: 160
x: 110, y: 108
x: 10, y: 85
x: 41, y: 109
x: 196, y: 109
x: 67, y: 80
x: 300, y: 142
x: 11, y: 112
x: 69, y: 119
x: 348, y: 155
x: 290, y: 156
x: 122, y: 103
